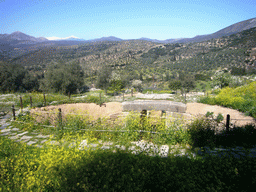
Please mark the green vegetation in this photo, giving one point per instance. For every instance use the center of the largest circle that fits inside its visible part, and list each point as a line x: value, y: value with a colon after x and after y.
x: 65, y: 168
x: 63, y: 78
x: 114, y: 67
x: 241, y: 98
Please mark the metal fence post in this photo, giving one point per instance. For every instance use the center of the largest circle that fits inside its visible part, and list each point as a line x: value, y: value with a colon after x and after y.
x: 227, y: 122
x: 44, y: 100
x: 31, y: 104
x: 21, y: 104
x: 60, y: 118
x: 13, y: 112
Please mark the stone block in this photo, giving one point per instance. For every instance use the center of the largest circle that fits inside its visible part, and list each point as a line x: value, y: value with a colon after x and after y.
x: 157, y: 105
x: 5, y: 130
x: 24, y: 133
x: 164, y: 150
x: 31, y: 142
x: 25, y: 137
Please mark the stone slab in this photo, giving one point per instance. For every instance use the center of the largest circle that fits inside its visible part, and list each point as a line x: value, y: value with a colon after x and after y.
x: 54, y: 143
x: 93, y: 145
x: 6, y: 133
x: 14, y: 137
x: 43, y: 141
x: 24, y: 133
x: 25, y: 137
x: 42, y: 136
x: 120, y: 147
x: 108, y: 143
x: 31, y: 142
x: 82, y: 144
x: 164, y: 150
x: 105, y: 147
x: 15, y: 129
x: 157, y: 105
x: 5, y: 130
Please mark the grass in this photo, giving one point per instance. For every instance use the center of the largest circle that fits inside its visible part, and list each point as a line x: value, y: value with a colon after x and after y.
x: 26, y: 168
x: 62, y: 168
x: 6, y: 101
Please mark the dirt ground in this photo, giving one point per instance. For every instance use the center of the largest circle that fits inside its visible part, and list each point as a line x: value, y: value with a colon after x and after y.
x: 236, y: 117
x: 113, y: 109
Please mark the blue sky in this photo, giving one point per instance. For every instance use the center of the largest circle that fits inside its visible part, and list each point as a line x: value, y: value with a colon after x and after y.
x: 126, y: 19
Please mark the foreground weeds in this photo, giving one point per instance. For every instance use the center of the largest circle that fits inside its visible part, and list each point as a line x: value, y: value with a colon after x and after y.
x: 25, y: 168
x: 64, y: 167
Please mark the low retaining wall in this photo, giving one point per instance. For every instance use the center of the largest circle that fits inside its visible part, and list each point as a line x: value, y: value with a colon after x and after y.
x: 156, y: 105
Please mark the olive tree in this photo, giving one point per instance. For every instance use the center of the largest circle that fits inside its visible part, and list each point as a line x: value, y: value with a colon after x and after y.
x: 63, y: 77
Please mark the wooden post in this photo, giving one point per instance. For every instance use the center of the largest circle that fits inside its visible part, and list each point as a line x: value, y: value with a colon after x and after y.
x: 13, y: 112
x: 31, y: 104
x: 60, y: 119
x: 163, y: 113
x: 132, y: 92
x: 100, y: 97
x: 21, y: 104
x: 227, y: 123
x: 143, y: 114
x: 123, y: 96
x: 44, y: 100
x: 69, y: 95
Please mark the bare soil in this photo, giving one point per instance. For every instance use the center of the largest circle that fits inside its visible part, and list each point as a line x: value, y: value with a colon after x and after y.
x: 237, y: 118
x: 113, y: 109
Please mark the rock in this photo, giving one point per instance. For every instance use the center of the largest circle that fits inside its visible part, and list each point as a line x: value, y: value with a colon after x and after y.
x: 139, y: 105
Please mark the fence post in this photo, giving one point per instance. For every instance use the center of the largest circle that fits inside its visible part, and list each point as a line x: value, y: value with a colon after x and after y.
x: 13, y: 112
x: 132, y: 92
x: 227, y: 122
x: 60, y: 119
x: 123, y: 96
x: 69, y: 95
x: 44, y: 100
x: 31, y: 104
x: 100, y: 97
x: 21, y: 104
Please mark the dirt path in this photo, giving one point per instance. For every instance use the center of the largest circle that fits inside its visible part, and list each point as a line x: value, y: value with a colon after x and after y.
x: 236, y: 117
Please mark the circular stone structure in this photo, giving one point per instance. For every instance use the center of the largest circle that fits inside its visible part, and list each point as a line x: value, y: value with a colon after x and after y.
x: 157, y: 105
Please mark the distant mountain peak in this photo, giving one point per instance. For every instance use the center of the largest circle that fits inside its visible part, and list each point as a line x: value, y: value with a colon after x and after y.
x: 72, y: 37
x: 17, y: 35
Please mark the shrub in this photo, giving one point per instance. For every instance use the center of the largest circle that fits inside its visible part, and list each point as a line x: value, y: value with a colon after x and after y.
x: 240, y: 98
x: 201, y: 132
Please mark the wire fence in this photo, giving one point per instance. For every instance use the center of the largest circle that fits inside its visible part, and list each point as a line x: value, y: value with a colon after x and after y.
x: 58, y: 115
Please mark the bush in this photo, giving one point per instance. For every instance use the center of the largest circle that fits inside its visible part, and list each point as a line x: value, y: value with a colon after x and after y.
x: 201, y: 132
x: 240, y: 98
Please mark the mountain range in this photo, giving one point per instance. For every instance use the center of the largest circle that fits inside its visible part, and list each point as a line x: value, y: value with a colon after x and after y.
x: 232, y: 29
